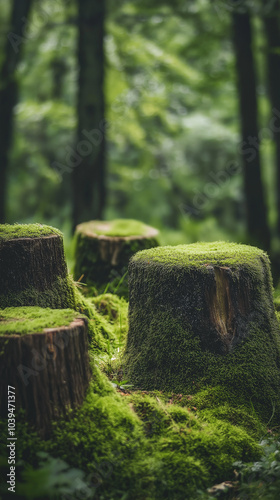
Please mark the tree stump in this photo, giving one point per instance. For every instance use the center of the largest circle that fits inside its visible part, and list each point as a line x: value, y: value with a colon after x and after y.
x: 47, y: 368
x: 33, y: 269
x: 196, y: 313
x: 103, y: 250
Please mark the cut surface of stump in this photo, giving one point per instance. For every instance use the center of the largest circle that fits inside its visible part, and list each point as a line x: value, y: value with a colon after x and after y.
x: 44, y: 357
x: 194, y: 309
x: 33, y: 269
x: 103, y: 249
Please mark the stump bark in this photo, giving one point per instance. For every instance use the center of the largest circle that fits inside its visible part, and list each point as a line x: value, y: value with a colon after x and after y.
x: 103, y: 250
x: 192, y: 305
x: 33, y: 269
x: 49, y: 372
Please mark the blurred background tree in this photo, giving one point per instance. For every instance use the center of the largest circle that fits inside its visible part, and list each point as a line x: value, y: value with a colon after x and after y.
x: 177, y: 96
x: 9, y: 87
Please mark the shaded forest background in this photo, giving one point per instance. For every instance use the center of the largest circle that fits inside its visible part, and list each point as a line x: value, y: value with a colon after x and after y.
x: 167, y: 112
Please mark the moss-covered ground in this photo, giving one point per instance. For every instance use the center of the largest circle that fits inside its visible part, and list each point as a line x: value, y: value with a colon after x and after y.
x: 133, y: 444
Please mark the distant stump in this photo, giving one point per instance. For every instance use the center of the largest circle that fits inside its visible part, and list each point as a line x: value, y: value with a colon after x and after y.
x: 47, y: 365
x: 103, y: 249
x: 202, y: 314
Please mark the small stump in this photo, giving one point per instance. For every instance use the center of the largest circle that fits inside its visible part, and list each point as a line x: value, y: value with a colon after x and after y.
x: 103, y: 250
x: 44, y: 357
x: 198, y: 311
x: 33, y: 269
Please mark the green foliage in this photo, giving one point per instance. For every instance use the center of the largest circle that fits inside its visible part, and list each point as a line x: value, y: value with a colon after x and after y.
x: 261, y: 479
x: 22, y: 320
x: 52, y: 478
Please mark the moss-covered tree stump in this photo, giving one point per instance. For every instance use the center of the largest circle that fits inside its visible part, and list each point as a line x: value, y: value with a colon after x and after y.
x: 44, y: 357
x: 203, y: 314
x: 33, y: 269
x: 103, y: 250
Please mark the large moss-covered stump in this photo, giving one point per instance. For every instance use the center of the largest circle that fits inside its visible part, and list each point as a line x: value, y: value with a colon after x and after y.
x: 203, y: 314
x: 44, y: 360
x: 33, y: 269
x: 103, y: 250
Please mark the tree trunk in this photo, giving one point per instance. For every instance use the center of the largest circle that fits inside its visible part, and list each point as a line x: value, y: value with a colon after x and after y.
x: 9, y: 89
x: 196, y: 309
x: 257, y: 224
x: 103, y: 250
x: 272, y: 33
x: 49, y: 372
x: 33, y: 271
x: 89, y: 163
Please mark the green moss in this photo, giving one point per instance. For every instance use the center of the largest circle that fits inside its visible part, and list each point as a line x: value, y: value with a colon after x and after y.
x: 200, y: 255
x: 9, y: 232
x: 23, y: 320
x: 173, y: 344
x: 64, y: 294
x: 115, y: 310
x: 276, y: 302
x: 60, y: 295
x: 173, y: 360
x: 118, y: 227
x: 106, y: 328
x: 139, y: 447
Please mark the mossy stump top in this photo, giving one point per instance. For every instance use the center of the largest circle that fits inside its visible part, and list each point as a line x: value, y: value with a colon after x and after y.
x: 33, y: 269
x: 192, y: 307
x: 103, y: 249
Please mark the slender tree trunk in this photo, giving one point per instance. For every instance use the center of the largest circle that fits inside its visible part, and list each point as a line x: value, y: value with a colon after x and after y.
x: 272, y: 33
x: 9, y: 89
x: 257, y: 224
x: 89, y: 172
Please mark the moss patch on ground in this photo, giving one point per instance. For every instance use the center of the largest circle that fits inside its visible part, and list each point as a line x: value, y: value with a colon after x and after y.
x: 24, y: 320
x: 9, y: 232
x: 107, y: 323
x: 141, y: 446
